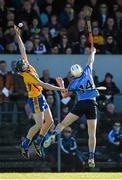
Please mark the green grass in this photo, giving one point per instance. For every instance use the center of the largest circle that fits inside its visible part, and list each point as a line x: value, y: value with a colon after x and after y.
x: 55, y: 176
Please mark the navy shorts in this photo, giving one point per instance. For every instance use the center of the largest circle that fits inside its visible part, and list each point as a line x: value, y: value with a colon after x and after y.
x: 87, y: 108
x: 38, y: 104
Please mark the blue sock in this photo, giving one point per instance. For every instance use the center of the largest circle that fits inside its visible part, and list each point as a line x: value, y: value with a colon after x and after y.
x: 26, y: 143
x: 91, y: 155
x: 39, y: 139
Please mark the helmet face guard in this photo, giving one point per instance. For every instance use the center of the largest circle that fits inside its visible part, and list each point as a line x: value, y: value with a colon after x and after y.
x: 76, y: 70
x: 21, y: 66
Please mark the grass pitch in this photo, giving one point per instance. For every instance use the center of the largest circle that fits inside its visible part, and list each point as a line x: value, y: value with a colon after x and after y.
x: 58, y: 176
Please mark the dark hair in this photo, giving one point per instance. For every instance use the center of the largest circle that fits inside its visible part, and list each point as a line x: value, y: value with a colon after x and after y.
x: 109, y: 75
x: 2, y: 62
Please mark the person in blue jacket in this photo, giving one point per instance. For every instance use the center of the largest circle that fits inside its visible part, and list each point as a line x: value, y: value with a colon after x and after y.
x: 71, y: 155
x: 115, y: 141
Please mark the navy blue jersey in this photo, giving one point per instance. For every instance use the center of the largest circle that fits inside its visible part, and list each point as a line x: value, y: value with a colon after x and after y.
x: 85, y: 81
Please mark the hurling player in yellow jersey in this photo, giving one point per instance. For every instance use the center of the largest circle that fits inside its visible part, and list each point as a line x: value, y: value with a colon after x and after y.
x: 41, y: 111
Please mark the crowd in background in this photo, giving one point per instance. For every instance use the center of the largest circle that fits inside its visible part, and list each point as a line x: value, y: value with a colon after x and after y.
x: 58, y: 27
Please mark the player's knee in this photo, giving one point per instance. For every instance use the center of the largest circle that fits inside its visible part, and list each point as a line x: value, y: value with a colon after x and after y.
x: 38, y: 125
x: 50, y: 121
x: 92, y: 135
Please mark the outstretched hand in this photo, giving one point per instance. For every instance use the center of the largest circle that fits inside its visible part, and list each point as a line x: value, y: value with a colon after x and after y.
x: 60, y: 82
x: 17, y: 30
x: 93, y: 50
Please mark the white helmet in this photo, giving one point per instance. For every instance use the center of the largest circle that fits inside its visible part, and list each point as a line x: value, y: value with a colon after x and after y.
x: 76, y: 70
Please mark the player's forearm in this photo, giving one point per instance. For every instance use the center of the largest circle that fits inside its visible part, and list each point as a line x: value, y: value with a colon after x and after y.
x: 21, y: 46
x: 91, y: 58
x: 51, y: 87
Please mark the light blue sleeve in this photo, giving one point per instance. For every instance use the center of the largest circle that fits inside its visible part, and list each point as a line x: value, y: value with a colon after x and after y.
x: 88, y: 70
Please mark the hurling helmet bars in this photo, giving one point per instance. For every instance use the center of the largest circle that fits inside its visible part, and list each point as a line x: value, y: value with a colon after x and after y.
x: 76, y: 70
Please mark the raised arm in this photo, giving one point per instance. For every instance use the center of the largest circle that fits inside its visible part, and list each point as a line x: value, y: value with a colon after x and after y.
x: 91, y: 57
x: 21, y: 45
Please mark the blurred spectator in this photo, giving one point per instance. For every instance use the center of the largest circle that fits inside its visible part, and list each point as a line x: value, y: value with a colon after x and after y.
x: 68, y: 79
x: 25, y: 31
x: 98, y: 40
x: 110, y: 45
x: 103, y: 16
x: 46, y: 77
x: 83, y: 43
x: 94, y: 4
x: 6, y: 83
x: 71, y: 155
x: 115, y: 142
x: 118, y: 16
x: 69, y: 102
x: 112, y: 88
x: 39, y: 47
x: 107, y: 119
x: 49, y: 93
x: 110, y: 28
x: 45, y: 15
x: 35, y: 28
x: 46, y: 37
x: 51, y: 19
x: 115, y: 7
x: 29, y: 47
x: 28, y: 111
x: 51, y: 102
x: 54, y: 26
x: 19, y: 95
x: 19, y: 90
x: 1, y: 41
x: 3, y: 11
x: 11, y: 48
x: 67, y: 15
x: 10, y: 16
x: 9, y: 35
x: 55, y: 50
x: 87, y: 50
x: 64, y: 44
x: 76, y: 30
x: 80, y: 126
x: 69, y: 51
x: 119, y: 2
x: 27, y: 13
x: 6, y: 90
x: 95, y: 77
x: 64, y: 111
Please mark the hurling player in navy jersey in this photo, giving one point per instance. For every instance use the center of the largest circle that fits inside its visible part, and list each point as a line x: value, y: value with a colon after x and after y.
x: 83, y: 85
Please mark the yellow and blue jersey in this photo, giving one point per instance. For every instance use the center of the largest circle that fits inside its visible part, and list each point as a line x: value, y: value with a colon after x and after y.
x: 36, y: 100
x: 32, y: 85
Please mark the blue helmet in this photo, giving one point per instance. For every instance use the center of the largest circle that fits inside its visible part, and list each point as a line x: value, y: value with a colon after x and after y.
x: 19, y: 66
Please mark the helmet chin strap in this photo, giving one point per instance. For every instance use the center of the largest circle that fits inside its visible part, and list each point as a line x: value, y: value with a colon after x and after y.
x: 26, y: 69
